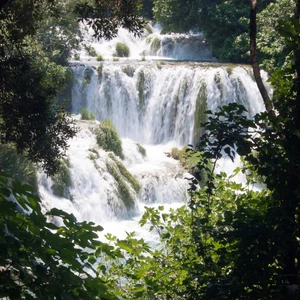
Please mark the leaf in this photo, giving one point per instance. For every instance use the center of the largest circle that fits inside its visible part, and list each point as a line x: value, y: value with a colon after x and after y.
x: 125, y: 246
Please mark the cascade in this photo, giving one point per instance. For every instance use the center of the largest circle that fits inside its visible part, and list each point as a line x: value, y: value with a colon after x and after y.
x: 156, y: 104
x: 151, y: 45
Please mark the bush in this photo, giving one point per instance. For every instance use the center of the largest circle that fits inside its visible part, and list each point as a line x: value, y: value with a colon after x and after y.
x: 86, y: 115
x: 108, y: 138
x: 122, y: 50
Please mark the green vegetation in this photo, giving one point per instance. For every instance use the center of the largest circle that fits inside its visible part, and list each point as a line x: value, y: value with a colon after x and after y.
x: 31, y: 119
x: 141, y: 149
x: 99, y: 58
x: 90, y: 50
x: 176, y: 16
x: 191, y: 160
x: 160, y: 64
x: 108, y: 138
x: 122, y: 50
x: 76, y: 56
x: 87, y: 76
x: 147, y: 6
x: 134, y: 183
x: 142, y: 90
x: 199, y: 115
x: 62, y: 180
x: 123, y: 189
x: 129, y: 70
x: 155, y: 44
x: 20, y: 168
x: 38, y: 256
x: 225, y: 24
x: 94, y: 154
x: 87, y: 115
x: 228, y: 242
x: 273, y: 51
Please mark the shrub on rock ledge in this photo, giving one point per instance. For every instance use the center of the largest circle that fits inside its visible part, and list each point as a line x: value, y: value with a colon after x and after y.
x: 108, y: 138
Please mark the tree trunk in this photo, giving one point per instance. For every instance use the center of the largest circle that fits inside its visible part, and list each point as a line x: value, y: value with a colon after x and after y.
x: 297, y: 64
x: 254, y: 61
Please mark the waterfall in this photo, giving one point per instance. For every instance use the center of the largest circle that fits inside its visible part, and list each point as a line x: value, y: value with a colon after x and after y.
x: 157, y: 105
x: 151, y: 45
x: 156, y: 102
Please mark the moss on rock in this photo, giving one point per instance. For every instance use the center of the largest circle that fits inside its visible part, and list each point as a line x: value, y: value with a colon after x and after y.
x: 199, y: 114
x: 141, y: 149
x: 123, y: 189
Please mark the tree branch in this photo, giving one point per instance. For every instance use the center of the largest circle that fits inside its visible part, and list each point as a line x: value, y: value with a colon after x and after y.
x: 254, y: 60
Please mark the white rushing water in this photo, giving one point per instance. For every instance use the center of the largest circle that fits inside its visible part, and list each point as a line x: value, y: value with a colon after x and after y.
x: 159, y: 105
x: 151, y: 45
x: 157, y: 102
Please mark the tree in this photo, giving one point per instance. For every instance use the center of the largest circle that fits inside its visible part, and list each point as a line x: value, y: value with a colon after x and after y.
x: 40, y: 259
x: 224, y: 23
x: 232, y: 242
x: 254, y: 61
x: 147, y: 9
x: 168, y: 13
x: 34, y: 41
x: 105, y: 17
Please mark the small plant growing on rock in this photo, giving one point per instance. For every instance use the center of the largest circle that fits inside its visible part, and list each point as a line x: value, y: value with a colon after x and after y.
x: 122, y: 50
x: 86, y: 115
